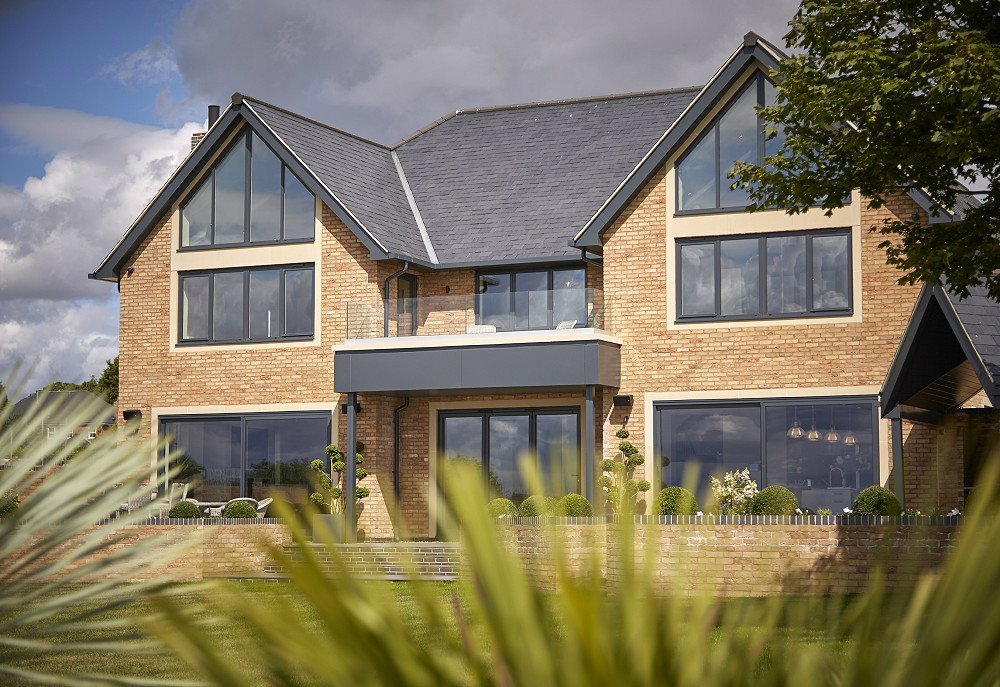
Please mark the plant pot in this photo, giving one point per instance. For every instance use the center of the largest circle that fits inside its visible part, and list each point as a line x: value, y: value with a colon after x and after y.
x: 328, y: 527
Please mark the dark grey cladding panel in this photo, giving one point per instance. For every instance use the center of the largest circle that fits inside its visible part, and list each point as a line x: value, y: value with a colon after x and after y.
x: 505, y: 366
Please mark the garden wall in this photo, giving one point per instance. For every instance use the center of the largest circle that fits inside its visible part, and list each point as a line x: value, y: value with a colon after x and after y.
x: 750, y: 558
x: 220, y: 548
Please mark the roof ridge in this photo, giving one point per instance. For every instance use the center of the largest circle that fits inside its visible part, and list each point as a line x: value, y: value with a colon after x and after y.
x: 237, y: 97
x: 574, y: 101
x: 542, y: 103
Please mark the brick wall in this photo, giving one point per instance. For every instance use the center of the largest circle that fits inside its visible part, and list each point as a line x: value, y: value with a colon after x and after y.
x: 218, y: 550
x: 744, y: 560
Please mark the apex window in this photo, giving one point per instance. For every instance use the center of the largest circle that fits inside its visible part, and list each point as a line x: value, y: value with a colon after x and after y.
x: 249, y: 198
x: 737, y: 134
x: 256, y: 304
x: 803, y: 274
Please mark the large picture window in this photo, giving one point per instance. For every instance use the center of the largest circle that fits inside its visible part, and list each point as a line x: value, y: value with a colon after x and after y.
x: 249, y: 198
x: 496, y: 440
x: 255, y: 304
x: 222, y: 457
x: 824, y: 450
x: 532, y: 299
x: 737, y: 134
x: 765, y: 276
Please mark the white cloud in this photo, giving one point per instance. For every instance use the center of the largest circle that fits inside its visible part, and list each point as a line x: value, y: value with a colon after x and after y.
x: 150, y: 65
x: 56, y: 229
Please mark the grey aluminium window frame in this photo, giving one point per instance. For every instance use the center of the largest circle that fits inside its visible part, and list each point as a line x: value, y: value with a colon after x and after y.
x: 513, y: 272
x: 764, y: 403
x: 247, y: 140
x: 531, y: 412
x: 762, y: 313
x: 181, y: 341
x: 243, y: 417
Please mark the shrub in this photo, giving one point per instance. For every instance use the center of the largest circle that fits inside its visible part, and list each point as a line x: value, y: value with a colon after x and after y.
x: 9, y: 502
x: 774, y: 500
x: 877, y: 501
x: 534, y: 506
x: 824, y: 511
x: 184, y: 509
x: 502, y: 508
x: 574, y: 506
x: 734, y: 492
x: 675, y: 501
x: 239, y: 509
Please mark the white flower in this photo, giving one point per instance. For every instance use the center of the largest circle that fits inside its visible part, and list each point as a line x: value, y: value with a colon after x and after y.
x: 848, y: 511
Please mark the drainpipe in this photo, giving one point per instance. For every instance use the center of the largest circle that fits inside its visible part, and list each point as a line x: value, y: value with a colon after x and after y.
x: 406, y: 266
x: 396, y: 461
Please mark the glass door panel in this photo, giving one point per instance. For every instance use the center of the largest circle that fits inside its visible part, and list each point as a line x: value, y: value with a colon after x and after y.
x: 531, y: 300
x: 508, y: 445
x: 208, y: 453
x: 557, y: 447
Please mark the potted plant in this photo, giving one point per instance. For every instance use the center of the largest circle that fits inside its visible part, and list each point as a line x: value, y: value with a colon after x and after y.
x: 329, y: 494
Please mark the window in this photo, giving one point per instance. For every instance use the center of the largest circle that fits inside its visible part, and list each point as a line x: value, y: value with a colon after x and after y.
x: 256, y: 304
x: 735, y: 135
x: 496, y: 440
x: 406, y: 305
x: 532, y: 299
x: 91, y: 435
x: 259, y: 456
x: 249, y: 198
x: 821, y: 449
x: 50, y: 432
x: 805, y: 274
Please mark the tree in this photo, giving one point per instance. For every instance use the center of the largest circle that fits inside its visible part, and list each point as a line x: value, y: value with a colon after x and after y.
x: 620, y: 487
x: 884, y: 95
x: 105, y: 386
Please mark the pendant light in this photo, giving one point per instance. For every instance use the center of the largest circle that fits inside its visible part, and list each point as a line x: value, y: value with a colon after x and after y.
x: 795, y: 431
x: 832, y: 435
x: 849, y: 438
x: 813, y: 434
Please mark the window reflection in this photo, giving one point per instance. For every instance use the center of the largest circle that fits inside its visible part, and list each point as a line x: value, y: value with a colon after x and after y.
x: 279, y: 451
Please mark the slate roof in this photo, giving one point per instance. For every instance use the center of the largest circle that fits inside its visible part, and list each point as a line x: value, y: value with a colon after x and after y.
x: 980, y: 315
x: 516, y: 183
x: 360, y: 173
x: 53, y: 404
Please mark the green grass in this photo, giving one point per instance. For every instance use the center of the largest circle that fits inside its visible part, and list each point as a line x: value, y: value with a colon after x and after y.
x: 160, y: 663
x: 235, y: 640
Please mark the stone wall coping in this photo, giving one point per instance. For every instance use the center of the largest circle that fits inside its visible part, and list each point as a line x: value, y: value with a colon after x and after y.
x: 796, y: 520
x: 198, y: 522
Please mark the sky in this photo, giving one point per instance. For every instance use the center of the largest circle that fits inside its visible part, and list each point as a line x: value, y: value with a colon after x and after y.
x: 98, y: 101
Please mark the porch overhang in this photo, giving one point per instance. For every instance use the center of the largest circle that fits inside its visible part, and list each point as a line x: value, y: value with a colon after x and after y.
x: 559, y: 359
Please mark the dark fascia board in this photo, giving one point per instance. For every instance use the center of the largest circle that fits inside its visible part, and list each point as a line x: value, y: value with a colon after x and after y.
x: 236, y: 115
x: 590, y: 236
x: 889, y: 396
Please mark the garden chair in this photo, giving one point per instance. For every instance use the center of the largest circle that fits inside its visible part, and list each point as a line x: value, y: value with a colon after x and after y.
x: 262, y: 507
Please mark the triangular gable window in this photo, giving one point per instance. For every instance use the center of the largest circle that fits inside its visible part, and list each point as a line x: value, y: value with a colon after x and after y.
x: 735, y: 134
x: 221, y: 212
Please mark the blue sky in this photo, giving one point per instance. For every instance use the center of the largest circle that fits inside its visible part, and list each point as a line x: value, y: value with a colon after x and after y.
x: 98, y: 101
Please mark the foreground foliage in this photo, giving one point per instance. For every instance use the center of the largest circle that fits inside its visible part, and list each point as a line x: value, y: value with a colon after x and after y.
x: 63, y: 532
x: 499, y: 628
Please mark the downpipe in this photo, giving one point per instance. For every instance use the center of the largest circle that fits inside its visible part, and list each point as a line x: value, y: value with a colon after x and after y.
x: 396, y: 487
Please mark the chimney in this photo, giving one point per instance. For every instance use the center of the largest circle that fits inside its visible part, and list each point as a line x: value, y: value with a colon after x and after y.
x: 213, y: 117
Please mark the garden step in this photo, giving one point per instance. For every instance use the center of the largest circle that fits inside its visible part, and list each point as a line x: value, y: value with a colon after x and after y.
x: 438, y: 561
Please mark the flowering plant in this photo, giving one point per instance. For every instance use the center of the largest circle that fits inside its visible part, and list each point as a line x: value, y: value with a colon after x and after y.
x: 734, y: 492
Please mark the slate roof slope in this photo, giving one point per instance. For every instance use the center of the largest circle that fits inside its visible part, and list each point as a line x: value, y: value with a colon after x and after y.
x: 980, y: 315
x: 54, y: 404
x: 515, y: 183
x: 360, y: 173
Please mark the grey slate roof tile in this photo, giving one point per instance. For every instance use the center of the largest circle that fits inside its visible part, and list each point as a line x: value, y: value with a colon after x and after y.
x: 513, y: 183
x: 980, y: 315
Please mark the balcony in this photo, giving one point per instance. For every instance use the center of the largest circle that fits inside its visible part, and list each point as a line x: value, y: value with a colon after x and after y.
x: 543, y: 339
x: 483, y: 314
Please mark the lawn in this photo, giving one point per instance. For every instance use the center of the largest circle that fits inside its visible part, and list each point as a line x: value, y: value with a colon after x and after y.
x: 163, y: 664
x: 235, y: 640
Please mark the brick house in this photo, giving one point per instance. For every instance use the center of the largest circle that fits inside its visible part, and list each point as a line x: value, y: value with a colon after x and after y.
x: 510, y: 281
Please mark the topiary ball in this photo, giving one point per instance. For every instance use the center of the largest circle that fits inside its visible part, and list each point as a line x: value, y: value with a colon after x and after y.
x: 239, y: 509
x: 574, y: 506
x: 502, y: 508
x: 774, y: 500
x: 184, y: 509
x: 877, y: 501
x: 9, y: 503
x: 534, y: 506
x: 675, y: 501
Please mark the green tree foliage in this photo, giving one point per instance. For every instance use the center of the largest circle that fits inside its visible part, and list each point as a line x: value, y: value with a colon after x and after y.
x: 883, y: 95
x: 105, y: 386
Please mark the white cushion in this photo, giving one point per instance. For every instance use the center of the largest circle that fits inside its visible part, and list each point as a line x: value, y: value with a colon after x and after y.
x: 481, y: 329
